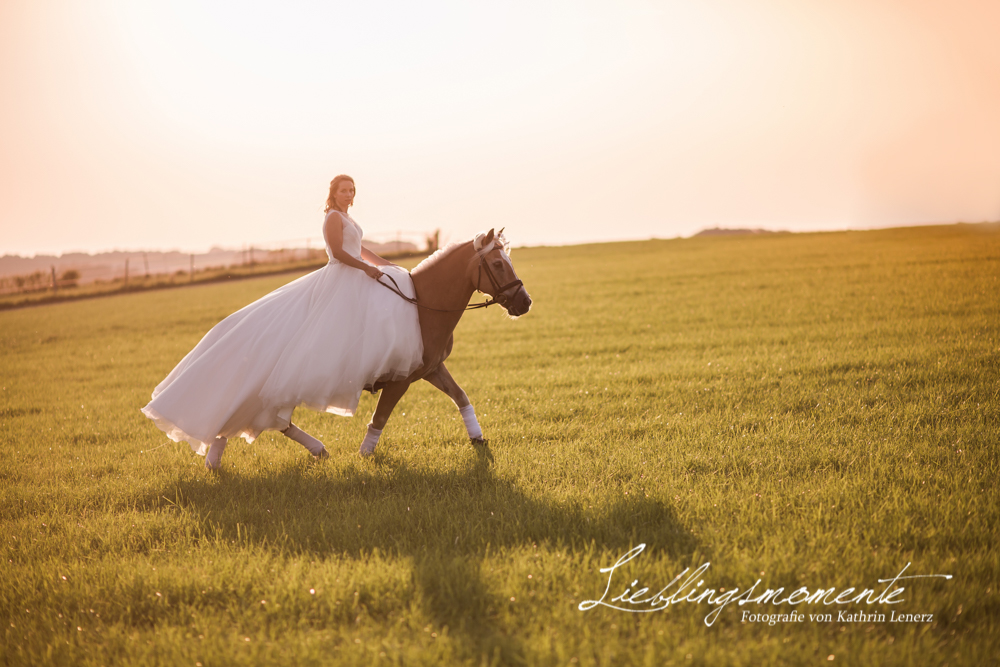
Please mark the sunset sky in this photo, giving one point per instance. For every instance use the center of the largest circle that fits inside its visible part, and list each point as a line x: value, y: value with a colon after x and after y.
x: 182, y: 125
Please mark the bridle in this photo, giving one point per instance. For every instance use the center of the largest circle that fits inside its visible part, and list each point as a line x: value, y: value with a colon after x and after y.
x: 500, y: 292
x: 499, y: 297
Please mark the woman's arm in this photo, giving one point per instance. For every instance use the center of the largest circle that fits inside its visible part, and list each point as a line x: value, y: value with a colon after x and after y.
x: 372, y: 258
x: 333, y: 230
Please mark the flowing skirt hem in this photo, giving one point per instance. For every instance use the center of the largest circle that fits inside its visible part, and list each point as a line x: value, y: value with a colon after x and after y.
x: 200, y: 445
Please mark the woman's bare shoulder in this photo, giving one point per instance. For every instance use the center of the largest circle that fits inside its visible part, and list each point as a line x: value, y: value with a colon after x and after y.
x: 335, y: 218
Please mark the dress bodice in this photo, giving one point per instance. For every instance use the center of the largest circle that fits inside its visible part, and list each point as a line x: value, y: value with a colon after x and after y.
x: 352, y: 236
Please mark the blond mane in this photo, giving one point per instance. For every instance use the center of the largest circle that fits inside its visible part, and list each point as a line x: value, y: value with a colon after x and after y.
x: 499, y: 242
x: 436, y: 256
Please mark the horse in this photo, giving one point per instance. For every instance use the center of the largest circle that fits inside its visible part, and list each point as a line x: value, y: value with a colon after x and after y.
x: 444, y: 283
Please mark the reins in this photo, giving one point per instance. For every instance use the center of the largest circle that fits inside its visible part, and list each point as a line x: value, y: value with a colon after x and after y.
x: 500, y: 297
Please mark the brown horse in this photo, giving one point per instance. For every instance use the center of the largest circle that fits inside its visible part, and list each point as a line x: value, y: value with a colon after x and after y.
x: 444, y: 283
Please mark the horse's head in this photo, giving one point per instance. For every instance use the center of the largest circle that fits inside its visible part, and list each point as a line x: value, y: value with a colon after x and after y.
x: 493, y: 273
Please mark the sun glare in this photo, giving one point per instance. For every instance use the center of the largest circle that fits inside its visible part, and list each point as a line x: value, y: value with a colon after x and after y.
x: 188, y: 124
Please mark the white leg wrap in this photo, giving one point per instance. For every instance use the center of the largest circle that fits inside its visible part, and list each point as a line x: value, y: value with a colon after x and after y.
x: 314, y: 446
x: 370, y: 441
x: 471, y: 423
x: 213, y: 460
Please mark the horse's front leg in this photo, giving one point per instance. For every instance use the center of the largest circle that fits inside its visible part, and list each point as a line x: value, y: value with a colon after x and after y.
x: 442, y: 379
x: 390, y: 395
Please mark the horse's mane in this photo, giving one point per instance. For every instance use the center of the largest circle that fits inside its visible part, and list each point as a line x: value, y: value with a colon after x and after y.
x: 436, y: 257
x: 439, y: 254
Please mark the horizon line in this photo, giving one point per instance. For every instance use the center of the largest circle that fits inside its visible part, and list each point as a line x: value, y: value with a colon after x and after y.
x: 268, y: 246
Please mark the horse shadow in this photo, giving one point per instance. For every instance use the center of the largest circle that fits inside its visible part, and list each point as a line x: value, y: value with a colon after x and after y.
x: 447, y: 523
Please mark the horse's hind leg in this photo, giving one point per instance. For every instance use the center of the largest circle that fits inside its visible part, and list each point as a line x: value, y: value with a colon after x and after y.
x: 390, y: 395
x: 213, y: 459
x: 442, y: 379
x: 314, y: 446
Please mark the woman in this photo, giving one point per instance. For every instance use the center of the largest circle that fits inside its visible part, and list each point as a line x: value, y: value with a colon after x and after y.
x: 318, y: 341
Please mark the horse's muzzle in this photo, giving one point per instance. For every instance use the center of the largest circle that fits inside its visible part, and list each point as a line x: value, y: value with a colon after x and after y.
x: 518, y: 304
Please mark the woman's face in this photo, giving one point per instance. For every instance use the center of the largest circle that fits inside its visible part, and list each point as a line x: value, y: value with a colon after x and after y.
x: 344, y: 195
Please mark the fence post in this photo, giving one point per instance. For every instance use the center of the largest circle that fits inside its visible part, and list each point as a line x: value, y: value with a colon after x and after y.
x: 192, y: 268
x: 126, y: 272
x: 55, y: 284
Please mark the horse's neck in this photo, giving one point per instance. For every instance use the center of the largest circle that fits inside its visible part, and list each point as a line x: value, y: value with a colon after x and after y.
x: 443, y: 285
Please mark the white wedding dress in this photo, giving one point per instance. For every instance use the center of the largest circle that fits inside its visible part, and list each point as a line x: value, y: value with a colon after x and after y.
x: 317, y: 341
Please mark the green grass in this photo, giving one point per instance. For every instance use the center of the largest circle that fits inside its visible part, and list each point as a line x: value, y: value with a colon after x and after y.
x: 811, y: 410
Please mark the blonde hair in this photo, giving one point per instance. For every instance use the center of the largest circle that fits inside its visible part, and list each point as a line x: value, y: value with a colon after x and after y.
x: 331, y: 202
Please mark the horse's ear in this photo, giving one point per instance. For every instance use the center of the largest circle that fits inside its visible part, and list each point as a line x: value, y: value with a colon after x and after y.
x: 482, y: 240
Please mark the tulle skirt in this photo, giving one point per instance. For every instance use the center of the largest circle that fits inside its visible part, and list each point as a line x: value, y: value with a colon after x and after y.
x: 318, y: 341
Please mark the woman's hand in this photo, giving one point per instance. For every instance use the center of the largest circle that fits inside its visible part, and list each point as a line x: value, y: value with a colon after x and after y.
x: 373, y: 271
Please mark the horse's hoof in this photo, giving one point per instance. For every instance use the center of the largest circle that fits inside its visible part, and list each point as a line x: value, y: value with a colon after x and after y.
x: 367, y: 450
x: 479, y: 442
x: 216, y: 467
x: 322, y: 456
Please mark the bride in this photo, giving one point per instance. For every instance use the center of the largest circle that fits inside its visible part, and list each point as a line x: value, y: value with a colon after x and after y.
x: 318, y: 341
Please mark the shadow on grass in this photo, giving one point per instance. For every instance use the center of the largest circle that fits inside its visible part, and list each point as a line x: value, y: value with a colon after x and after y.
x: 446, y: 522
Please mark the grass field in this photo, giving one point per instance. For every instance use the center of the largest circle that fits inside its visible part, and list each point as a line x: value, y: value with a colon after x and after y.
x: 812, y: 410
